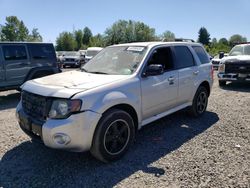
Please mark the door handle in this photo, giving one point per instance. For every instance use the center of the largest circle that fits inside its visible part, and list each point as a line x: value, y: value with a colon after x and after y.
x: 171, y: 78
x: 196, y: 72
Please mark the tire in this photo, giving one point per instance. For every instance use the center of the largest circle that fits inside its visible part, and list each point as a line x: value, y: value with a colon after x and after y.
x: 222, y: 83
x: 114, y: 134
x: 200, y: 101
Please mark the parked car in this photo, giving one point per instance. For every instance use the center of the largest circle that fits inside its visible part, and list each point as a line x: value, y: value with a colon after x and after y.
x: 71, y: 59
x: 235, y: 67
x: 91, y: 52
x: 121, y: 89
x: 216, y: 59
x: 21, y: 61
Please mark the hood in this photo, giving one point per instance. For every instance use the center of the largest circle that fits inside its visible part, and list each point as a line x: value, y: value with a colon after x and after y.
x: 236, y: 58
x: 69, y: 83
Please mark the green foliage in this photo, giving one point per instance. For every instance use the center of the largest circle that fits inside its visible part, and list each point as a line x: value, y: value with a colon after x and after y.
x: 224, y: 41
x: 168, y: 36
x: 87, y: 34
x: 35, y: 36
x: 15, y: 30
x: 204, y: 36
x: 124, y: 31
x: 237, y: 39
x: 96, y: 40
x: 78, y: 38
x: 65, y: 42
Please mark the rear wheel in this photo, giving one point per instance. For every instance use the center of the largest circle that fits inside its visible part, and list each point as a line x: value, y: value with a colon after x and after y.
x: 200, y: 101
x: 222, y: 82
x: 113, y: 136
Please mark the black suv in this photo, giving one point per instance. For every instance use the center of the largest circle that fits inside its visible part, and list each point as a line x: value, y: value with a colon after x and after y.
x: 21, y: 61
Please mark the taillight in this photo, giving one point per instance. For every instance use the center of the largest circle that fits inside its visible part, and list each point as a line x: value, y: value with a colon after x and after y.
x: 212, y: 72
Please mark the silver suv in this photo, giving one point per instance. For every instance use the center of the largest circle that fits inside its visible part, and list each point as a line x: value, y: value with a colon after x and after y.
x: 21, y: 61
x: 121, y: 89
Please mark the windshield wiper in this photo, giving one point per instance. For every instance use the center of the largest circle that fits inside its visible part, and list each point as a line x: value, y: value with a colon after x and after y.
x: 98, y: 72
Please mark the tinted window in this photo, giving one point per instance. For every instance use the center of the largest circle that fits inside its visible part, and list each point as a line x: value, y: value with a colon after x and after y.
x: 184, y: 57
x: 42, y: 51
x: 14, y: 52
x: 201, y: 54
x: 162, y: 56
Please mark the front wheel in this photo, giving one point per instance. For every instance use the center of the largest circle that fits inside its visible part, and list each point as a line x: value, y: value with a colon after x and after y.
x: 114, y: 134
x: 200, y: 101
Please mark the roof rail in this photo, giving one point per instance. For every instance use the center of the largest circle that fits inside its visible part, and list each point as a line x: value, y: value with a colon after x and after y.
x: 183, y: 40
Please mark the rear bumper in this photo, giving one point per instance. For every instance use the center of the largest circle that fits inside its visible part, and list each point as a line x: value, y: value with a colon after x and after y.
x: 78, y: 129
x: 233, y: 77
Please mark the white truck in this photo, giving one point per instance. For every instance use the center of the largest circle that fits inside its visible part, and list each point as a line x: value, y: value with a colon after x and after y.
x: 121, y: 89
x: 236, y: 66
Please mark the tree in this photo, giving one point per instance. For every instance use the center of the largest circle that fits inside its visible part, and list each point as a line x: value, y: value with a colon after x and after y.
x: 78, y: 38
x: 124, y: 31
x: 15, y: 30
x: 35, y: 36
x: 204, y: 36
x: 96, y: 40
x: 237, y: 39
x: 10, y: 29
x: 65, y: 42
x: 23, y: 32
x: 223, y: 41
x: 168, y: 36
x: 87, y: 34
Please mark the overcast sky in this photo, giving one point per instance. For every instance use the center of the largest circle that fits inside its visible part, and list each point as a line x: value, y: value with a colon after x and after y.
x: 222, y: 18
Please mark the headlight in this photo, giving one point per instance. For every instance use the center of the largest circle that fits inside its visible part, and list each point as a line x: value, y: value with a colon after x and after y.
x: 221, y: 67
x: 63, y: 108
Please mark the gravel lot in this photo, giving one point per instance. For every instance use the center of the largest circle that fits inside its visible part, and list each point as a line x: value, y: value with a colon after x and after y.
x: 176, y: 151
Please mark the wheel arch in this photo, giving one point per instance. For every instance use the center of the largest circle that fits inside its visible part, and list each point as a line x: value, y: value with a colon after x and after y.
x: 206, y: 85
x: 127, y: 108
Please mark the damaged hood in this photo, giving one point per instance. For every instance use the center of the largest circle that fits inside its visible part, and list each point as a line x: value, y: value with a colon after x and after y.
x: 69, y: 83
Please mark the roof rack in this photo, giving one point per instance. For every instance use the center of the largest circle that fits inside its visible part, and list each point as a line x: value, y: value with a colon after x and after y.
x: 183, y: 40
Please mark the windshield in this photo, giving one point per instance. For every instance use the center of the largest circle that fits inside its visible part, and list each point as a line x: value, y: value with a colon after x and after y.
x: 240, y: 50
x: 92, y: 52
x: 120, y: 60
x: 71, y: 54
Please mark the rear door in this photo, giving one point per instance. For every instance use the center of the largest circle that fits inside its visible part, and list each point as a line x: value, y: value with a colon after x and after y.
x: 187, y: 71
x: 16, y: 62
x: 159, y: 93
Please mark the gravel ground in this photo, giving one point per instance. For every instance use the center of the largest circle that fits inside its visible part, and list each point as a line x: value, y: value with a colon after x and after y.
x: 176, y: 151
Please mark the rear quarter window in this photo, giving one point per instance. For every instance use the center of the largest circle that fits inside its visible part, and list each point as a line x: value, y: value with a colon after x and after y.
x: 202, y: 55
x: 42, y: 51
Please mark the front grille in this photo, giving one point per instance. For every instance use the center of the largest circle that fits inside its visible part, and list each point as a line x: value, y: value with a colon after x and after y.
x: 69, y: 59
x: 238, y: 67
x: 34, y: 105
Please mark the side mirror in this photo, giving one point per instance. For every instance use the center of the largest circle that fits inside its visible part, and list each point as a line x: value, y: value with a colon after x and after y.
x: 153, y: 70
x: 221, y: 55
